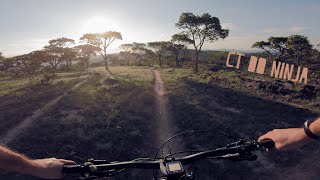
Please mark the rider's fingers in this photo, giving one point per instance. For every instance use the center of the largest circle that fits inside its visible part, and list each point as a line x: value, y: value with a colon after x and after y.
x: 265, y: 136
x: 67, y: 162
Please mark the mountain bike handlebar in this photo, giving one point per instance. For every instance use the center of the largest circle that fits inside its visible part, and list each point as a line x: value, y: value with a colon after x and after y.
x: 239, y: 150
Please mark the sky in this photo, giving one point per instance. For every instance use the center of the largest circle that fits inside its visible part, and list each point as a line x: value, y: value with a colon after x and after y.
x: 27, y: 25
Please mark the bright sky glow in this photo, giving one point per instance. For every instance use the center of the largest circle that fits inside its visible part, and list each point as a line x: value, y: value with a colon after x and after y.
x: 29, y: 25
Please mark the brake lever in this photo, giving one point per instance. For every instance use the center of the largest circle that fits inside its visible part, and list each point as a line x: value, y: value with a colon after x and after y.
x: 259, y: 147
x: 238, y: 157
x: 96, y: 175
x: 237, y: 143
x: 245, y: 151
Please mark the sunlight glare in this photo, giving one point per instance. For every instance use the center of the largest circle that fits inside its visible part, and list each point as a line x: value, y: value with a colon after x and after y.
x: 99, y: 24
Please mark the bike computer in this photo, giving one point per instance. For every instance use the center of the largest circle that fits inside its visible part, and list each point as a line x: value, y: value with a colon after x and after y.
x: 174, y: 167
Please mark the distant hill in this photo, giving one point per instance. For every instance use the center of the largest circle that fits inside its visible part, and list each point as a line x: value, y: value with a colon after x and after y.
x: 204, y: 55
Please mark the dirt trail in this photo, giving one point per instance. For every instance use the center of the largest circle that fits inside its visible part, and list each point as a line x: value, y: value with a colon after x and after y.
x: 163, y: 125
x: 22, y: 126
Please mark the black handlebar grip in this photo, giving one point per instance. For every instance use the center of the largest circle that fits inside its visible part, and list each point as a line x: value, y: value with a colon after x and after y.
x: 267, y: 143
x: 67, y: 169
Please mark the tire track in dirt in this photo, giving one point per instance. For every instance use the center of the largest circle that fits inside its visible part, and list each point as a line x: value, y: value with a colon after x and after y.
x: 22, y: 126
x: 163, y: 125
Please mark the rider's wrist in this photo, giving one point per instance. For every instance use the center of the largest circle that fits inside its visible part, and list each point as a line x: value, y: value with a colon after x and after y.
x: 301, y: 137
x: 30, y: 167
x: 302, y: 134
x: 25, y: 166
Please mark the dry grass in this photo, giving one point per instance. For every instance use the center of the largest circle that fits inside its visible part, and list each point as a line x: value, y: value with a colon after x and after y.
x: 107, y: 117
x: 197, y: 104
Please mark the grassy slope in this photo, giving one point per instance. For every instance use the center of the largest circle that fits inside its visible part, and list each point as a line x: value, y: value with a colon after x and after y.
x: 244, y: 81
x: 196, y: 104
x: 20, y: 100
x: 111, y: 118
x: 106, y: 118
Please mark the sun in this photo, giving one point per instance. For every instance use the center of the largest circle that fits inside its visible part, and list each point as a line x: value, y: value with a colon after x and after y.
x: 99, y: 24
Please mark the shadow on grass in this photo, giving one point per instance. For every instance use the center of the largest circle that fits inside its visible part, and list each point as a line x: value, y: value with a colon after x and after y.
x: 7, y: 79
x: 203, y: 106
x: 104, y: 119
x: 21, y: 103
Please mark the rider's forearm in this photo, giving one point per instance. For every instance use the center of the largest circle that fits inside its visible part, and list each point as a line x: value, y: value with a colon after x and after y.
x: 315, y: 127
x: 11, y: 161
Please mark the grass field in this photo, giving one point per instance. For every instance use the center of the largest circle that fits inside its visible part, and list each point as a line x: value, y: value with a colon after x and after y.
x: 197, y: 104
x: 107, y: 117
x: 113, y: 116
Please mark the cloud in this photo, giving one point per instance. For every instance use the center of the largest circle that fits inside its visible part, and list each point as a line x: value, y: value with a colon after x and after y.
x: 230, y: 26
x: 284, y: 31
x: 298, y: 29
x: 313, y: 7
x: 24, y: 46
x: 243, y: 42
x: 270, y: 30
x: 30, y: 42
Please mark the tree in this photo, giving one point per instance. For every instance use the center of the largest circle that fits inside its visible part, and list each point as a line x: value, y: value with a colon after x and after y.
x: 219, y: 57
x: 139, y: 50
x: 159, y: 48
x: 102, y: 41
x: 135, y: 51
x: 28, y: 64
x: 69, y: 55
x: 275, y: 47
x: 126, y: 53
x: 62, y: 46
x: 314, y: 61
x: 175, y: 50
x: 53, y: 58
x: 2, y: 59
x: 84, y: 52
x: 5, y: 64
x: 299, y: 48
x: 294, y: 47
x: 183, y: 40
x: 201, y: 29
x: 126, y: 47
x: 61, y: 42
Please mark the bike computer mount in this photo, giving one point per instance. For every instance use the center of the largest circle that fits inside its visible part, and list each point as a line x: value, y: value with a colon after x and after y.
x: 174, y: 167
x: 173, y: 170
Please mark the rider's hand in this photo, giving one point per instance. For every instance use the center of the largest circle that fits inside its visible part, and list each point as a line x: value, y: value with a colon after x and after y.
x: 50, y: 168
x: 286, y: 139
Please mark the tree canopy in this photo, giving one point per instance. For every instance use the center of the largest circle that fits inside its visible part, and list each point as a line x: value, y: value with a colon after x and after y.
x: 61, y: 42
x: 126, y: 47
x: 200, y: 29
x: 294, y: 47
x: 102, y: 41
x: 60, y: 51
x: 84, y: 52
x: 159, y: 48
